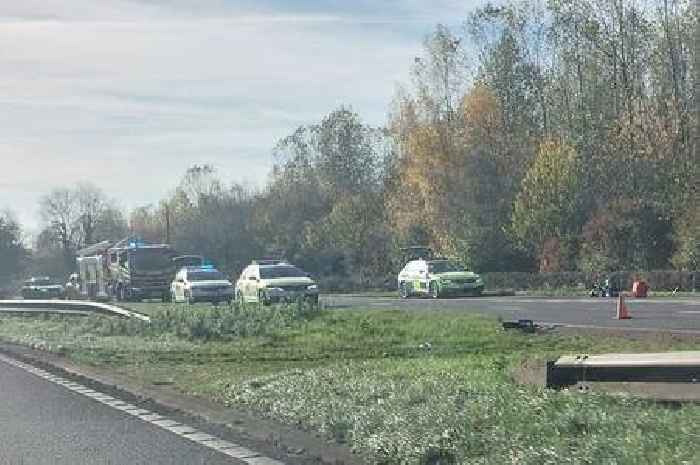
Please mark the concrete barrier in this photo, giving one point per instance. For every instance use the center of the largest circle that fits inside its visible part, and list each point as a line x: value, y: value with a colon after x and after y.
x: 669, y: 367
x: 68, y: 306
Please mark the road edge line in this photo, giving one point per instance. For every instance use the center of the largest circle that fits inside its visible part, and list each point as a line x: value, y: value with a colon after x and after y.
x: 234, y: 450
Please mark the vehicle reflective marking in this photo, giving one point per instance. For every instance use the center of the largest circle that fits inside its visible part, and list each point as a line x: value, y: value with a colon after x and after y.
x: 207, y: 440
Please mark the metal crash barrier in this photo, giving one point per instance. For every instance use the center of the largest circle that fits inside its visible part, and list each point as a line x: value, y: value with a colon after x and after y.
x: 668, y: 367
x: 68, y: 306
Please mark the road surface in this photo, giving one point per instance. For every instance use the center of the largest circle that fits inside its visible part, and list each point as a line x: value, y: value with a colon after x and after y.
x: 44, y: 423
x: 678, y: 314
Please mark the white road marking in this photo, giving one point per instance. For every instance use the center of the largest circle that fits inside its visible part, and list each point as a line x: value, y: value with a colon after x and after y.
x: 203, y: 437
x: 219, y: 444
x: 263, y: 461
x: 239, y: 452
x: 166, y: 423
x: 206, y: 440
x: 138, y: 412
x: 128, y: 408
x: 182, y: 429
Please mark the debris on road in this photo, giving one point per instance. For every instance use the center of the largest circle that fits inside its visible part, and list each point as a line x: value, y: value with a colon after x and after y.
x: 526, y: 326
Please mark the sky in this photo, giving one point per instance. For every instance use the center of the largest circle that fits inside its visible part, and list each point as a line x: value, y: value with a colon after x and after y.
x: 127, y: 94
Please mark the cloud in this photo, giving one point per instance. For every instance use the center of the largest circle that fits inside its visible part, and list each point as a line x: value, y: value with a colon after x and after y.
x: 129, y: 94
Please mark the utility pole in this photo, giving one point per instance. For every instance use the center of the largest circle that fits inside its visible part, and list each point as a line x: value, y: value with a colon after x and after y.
x: 167, y: 223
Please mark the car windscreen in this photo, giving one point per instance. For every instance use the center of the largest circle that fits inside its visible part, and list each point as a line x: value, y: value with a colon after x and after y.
x: 205, y: 276
x: 444, y: 267
x: 151, y: 259
x: 40, y: 282
x: 188, y: 260
x: 271, y: 272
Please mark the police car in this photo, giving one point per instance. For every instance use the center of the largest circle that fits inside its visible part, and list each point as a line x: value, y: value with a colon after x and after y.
x: 269, y: 281
x: 42, y: 287
x: 201, y: 284
x: 437, y: 278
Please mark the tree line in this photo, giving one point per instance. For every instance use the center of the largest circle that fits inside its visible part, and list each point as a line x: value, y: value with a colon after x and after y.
x: 550, y: 136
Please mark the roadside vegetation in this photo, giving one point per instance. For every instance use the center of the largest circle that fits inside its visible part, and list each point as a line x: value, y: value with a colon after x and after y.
x: 540, y: 136
x: 397, y: 387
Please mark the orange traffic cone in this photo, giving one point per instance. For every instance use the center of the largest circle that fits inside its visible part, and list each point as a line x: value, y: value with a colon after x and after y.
x: 622, y: 312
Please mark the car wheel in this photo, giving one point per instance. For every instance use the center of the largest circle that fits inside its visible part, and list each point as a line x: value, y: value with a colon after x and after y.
x: 262, y: 298
x: 403, y: 291
x: 478, y: 291
x: 189, y: 299
x: 121, y: 294
x: 434, y: 290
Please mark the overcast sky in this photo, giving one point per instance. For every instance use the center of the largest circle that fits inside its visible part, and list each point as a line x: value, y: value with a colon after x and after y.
x: 129, y: 93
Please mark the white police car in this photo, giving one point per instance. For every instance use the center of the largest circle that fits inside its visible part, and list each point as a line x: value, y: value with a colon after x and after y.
x: 272, y: 281
x: 201, y: 284
x: 437, y: 278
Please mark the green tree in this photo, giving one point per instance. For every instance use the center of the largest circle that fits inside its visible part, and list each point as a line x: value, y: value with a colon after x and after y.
x: 548, y: 205
x: 321, y: 173
x: 687, y: 240
x: 626, y: 234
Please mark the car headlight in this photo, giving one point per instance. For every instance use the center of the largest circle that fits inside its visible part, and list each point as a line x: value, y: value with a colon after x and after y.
x: 312, y: 287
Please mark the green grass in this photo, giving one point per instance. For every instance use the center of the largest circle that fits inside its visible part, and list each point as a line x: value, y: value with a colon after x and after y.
x: 399, y: 387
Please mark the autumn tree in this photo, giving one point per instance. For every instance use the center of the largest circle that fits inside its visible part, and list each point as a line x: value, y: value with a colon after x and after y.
x: 427, y: 128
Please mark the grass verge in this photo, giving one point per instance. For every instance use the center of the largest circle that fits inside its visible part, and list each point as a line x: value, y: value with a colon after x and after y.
x: 398, y: 387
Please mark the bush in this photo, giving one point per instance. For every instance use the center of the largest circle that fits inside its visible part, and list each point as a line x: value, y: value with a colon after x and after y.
x: 208, y: 323
x: 355, y: 283
x: 657, y: 280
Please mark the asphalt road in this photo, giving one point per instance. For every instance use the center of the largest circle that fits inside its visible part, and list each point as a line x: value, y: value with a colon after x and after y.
x: 678, y: 314
x: 44, y: 423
